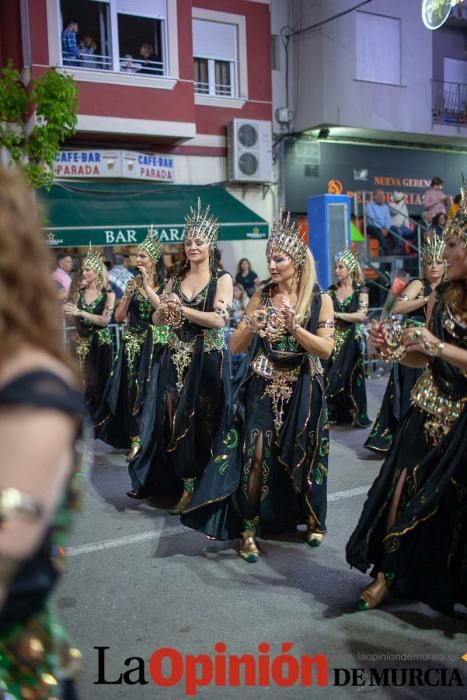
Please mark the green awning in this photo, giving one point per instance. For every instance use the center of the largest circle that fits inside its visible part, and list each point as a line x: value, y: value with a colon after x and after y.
x: 120, y: 213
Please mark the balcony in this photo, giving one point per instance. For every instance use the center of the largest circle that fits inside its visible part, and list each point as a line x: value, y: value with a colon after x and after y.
x: 449, y: 102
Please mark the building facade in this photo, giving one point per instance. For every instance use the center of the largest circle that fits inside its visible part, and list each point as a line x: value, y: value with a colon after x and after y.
x: 159, y: 83
x: 368, y: 97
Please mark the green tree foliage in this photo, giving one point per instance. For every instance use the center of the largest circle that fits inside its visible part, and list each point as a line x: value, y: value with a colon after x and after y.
x: 53, y: 100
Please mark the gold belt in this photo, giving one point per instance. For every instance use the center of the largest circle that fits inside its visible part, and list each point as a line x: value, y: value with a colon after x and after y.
x: 264, y: 367
x: 443, y: 411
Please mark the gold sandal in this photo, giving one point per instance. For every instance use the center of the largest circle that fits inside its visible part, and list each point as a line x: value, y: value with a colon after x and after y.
x: 248, y: 548
x: 314, y: 538
x: 374, y: 594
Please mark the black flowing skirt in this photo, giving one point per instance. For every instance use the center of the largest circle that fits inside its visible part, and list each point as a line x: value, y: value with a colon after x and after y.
x: 96, y: 368
x: 179, y: 430
x: 119, y: 418
x: 345, y: 384
x: 295, y: 465
x: 396, y: 402
x: 425, y: 551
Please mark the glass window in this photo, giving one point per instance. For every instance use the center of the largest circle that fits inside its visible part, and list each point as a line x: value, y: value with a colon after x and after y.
x: 215, y: 58
x: 378, y: 48
x: 85, y: 37
x: 118, y: 35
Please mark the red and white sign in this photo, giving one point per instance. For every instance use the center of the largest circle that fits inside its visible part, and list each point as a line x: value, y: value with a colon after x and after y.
x: 114, y: 164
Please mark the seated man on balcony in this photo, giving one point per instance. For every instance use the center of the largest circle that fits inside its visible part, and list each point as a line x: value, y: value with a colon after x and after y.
x: 378, y: 223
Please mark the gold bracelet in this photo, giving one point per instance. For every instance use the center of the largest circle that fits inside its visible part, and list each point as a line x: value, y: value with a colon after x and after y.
x: 433, y: 348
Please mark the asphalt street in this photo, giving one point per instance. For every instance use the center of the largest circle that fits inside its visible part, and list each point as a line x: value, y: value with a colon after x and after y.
x: 138, y: 582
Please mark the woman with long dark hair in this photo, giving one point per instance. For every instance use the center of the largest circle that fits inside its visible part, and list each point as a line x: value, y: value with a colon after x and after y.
x: 93, y: 306
x: 41, y: 456
x: 247, y: 277
x: 345, y: 372
x: 191, y: 386
x: 126, y: 391
x: 270, y: 473
x: 413, y: 528
x: 413, y: 305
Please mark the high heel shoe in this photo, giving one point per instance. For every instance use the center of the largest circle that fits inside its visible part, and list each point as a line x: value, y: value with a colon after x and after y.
x: 314, y: 538
x: 187, y: 495
x: 248, y: 548
x: 134, y: 449
x: 374, y: 594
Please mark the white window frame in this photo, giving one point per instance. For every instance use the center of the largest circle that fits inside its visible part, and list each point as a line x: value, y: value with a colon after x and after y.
x: 212, y: 77
x: 117, y: 77
x: 240, y: 86
x: 361, y: 73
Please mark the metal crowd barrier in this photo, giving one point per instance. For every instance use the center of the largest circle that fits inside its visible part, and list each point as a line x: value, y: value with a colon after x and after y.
x: 374, y: 366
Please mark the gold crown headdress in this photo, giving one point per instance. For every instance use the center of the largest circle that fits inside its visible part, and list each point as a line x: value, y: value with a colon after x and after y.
x: 151, y: 245
x: 287, y: 237
x: 432, y: 249
x: 200, y: 224
x: 347, y: 258
x: 93, y: 260
x: 457, y: 226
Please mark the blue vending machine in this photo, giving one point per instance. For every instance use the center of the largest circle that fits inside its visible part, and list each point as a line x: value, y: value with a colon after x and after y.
x: 328, y: 231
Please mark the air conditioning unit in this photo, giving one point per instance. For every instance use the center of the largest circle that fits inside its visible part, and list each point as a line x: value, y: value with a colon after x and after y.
x: 249, y: 144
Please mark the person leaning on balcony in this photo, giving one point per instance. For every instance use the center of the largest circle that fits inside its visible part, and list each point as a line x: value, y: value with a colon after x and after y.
x: 434, y: 199
x: 151, y: 63
x: 70, y: 51
x: 378, y: 222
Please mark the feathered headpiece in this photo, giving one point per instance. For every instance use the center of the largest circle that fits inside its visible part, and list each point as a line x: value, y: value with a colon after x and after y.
x: 286, y: 237
x: 432, y: 249
x: 93, y: 260
x: 151, y: 245
x: 457, y: 226
x: 347, y: 258
x: 200, y: 224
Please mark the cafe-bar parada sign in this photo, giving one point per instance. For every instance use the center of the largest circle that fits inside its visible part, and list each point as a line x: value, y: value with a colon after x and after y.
x: 114, y: 164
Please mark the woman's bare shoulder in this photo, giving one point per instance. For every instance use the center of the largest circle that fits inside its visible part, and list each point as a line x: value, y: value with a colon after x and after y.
x: 29, y: 359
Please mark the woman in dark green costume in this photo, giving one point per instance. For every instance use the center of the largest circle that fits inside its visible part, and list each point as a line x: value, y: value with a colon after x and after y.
x: 413, y: 528
x: 345, y: 372
x: 190, y: 386
x: 412, y: 303
x: 270, y: 473
x: 119, y: 424
x: 93, y: 308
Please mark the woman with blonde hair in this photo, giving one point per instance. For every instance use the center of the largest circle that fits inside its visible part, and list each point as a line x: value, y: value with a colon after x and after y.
x: 92, y: 305
x: 41, y: 431
x: 271, y: 471
x: 345, y: 372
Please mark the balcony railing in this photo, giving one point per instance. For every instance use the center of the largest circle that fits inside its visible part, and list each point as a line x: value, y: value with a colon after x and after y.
x: 449, y: 103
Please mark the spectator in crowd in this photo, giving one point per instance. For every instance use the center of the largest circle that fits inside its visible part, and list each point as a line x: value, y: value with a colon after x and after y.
x: 70, y: 51
x: 87, y: 49
x: 120, y: 274
x: 434, y: 199
x: 454, y: 206
x: 400, y: 217
x: 239, y: 304
x: 151, y: 62
x: 62, y: 275
x: 378, y: 222
x: 439, y: 222
x: 246, y: 277
x: 426, y: 222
